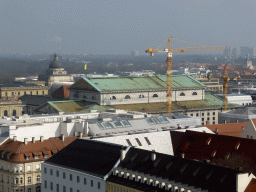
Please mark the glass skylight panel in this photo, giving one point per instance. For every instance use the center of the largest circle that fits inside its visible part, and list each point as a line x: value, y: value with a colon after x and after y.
x: 107, y: 125
x: 156, y: 120
x: 150, y: 121
x: 118, y: 124
x: 126, y: 123
x: 100, y: 126
x: 162, y: 119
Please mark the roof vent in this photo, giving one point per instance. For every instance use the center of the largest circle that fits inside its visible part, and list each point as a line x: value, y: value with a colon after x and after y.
x: 227, y: 156
x: 25, y: 141
x: 14, y: 138
x: 33, y: 139
x: 214, y: 153
x: 42, y: 139
x: 237, y: 146
x: 62, y: 137
x: 216, y: 130
x: 208, y: 141
x: 153, y: 155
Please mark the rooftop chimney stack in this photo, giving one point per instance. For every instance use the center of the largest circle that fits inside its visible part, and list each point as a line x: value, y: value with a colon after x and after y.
x: 42, y: 139
x: 33, y: 139
x: 25, y: 141
x: 183, y: 155
x: 216, y: 130
x: 62, y: 137
x: 153, y: 155
x: 80, y: 135
x: 76, y: 133
x: 14, y: 138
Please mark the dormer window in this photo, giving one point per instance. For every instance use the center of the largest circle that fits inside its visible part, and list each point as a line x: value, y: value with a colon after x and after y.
x: 182, y: 94
x: 237, y: 146
x: 208, y: 141
x: 37, y: 156
x: 214, y: 153
x: 45, y: 155
x: 194, y: 93
x: 27, y: 158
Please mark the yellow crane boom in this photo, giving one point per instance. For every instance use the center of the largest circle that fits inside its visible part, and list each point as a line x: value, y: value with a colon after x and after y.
x: 169, y: 52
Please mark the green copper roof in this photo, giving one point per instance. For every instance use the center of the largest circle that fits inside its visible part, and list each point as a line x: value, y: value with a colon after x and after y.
x: 139, y: 83
x: 210, y: 101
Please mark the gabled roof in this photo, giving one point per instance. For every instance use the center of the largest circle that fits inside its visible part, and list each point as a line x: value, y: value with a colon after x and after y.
x: 244, y: 111
x: 36, y: 100
x: 181, y: 170
x: 90, y: 156
x: 230, y: 129
x: 137, y: 83
x: 251, y: 187
x: 223, y: 150
x: 17, y: 150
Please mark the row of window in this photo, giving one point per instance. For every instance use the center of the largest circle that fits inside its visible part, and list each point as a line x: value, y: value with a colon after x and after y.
x: 208, y: 118
x: 16, y: 169
x: 38, y: 189
x: 197, y: 114
x: 25, y: 93
x: 18, y: 180
x: 14, y: 112
x: 64, y: 188
x: 70, y: 177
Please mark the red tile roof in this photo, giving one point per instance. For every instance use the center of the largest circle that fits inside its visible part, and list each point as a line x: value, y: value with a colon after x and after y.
x: 16, y: 151
x: 230, y: 129
x: 61, y: 92
x: 223, y: 150
x: 251, y: 187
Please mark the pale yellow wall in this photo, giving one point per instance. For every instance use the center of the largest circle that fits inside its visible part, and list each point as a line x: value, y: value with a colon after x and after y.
x: 11, y: 93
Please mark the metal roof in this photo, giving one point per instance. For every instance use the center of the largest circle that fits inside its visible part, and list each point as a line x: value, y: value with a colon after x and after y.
x: 141, y: 83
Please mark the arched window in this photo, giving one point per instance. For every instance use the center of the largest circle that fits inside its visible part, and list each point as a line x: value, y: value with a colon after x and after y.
x: 141, y: 96
x: 38, y: 178
x: 113, y: 97
x: 16, y: 180
x: 14, y: 113
x: 38, y: 189
x: 29, y: 190
x: 182, y: 94
x: 127, y: 97
x: 155, y: 95
x: 5, y: 113
x: 194, y: 93
x: 21, y: 180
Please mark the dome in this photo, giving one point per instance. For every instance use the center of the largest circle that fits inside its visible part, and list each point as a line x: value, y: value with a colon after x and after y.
x: 56, y: 62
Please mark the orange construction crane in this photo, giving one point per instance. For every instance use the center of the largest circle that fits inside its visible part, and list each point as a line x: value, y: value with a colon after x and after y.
x: 225, y: 89
x: 169, y: 52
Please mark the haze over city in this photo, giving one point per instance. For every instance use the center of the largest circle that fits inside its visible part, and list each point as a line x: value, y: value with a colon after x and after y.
x: 118, y: 27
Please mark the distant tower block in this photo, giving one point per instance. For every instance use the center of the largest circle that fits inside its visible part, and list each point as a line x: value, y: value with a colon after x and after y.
x: 247, y: 50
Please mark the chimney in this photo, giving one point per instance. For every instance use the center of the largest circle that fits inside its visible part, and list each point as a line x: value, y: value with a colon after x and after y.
x: 225, y: 121
x: 62, y: 137
x: 33, y: 139
x: 122, y: 154
x: 80, y: 135
x: 183, y: 155
x: 86, y: 128
x: 216, y: 130
x: 14, y: 138
x: 76, y: 134
x: 179, y: 126
x: 25, y: 141
x: 153, y: 155
x: 42, y: 139
x: 243, y: 128
x: 237, y: 121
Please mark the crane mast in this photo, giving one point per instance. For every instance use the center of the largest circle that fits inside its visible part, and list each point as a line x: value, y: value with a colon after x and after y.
x: 169, y: 52
x: 225, y: 89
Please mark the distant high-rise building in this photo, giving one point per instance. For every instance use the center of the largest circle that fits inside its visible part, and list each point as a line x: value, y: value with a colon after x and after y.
x: 233, y: 52
x: 247, y: 50
x: 135, y: 53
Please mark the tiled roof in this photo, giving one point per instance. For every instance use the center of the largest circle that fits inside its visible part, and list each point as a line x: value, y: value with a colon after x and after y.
x: 134, y: 184
x: 61, y: 92
x: 15, y: 151
x: 230, y: 129
x: 91, y: 156
x: 138, y: 83
x: 251, y: 187
x: 181, y: 170
x: 223, y: 150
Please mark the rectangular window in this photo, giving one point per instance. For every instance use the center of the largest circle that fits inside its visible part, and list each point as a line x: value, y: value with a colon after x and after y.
x: 147, y: 140
x: 42, y: 92
x: 213, y: 113
x: 129, y: 142
x: 51, y: 172
x: 138, y: 141
x: 78, y: 179
x: 197, y: 114
x: 98, y: 185
x: 57, y: 187
x: 78, y: 191
x: 64, y: 175
x: 213, y: 122
x: 91, y: 183
x: 57, y: 173
x: 208, y: 118
x: 208, y: 114
x: 18, y: 93
x: 85, y: 181
x: 21, y: 169
x: 202, y: 119
x: 45, y: 184
x: 36, y: 92
x: 71, y: 189
x: 64, y: 188
x: 70, y: 177
x: 51, y: 186
x: 25, y: 93
x: 38, y: 167
x: 202, y: 114
x: 191, y: 114
x: 29, y: 180
x: 213, y: 118
x: 6, y: 93
x: 45, y: 170
x: 29, y: 168
x: 12, y: 93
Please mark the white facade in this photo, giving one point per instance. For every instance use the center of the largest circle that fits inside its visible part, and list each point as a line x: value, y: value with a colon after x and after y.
x: 249, y: 130
x: 67, y: 180
x: 238, y: 99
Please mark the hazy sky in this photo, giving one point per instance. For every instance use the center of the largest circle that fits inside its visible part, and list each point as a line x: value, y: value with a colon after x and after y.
x: 118, y: 26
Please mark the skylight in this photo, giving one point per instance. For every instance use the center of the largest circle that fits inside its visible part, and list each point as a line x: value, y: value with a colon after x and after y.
x: 107, y: 125
x: 118, y: 124
x: 100, y: 126
x: 150, y: 121
x: 126, y: 123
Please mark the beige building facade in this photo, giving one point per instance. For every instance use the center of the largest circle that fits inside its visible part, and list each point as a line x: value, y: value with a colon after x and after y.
x: 10, y: 108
